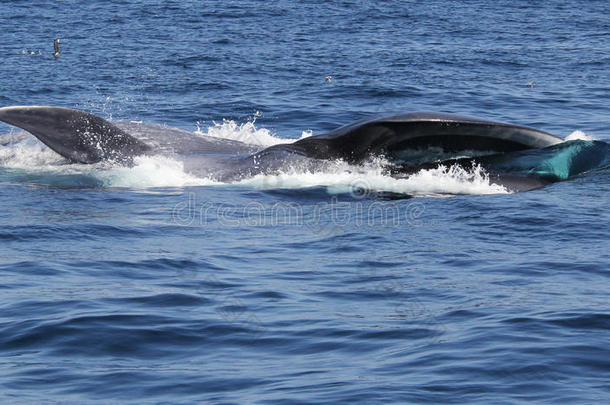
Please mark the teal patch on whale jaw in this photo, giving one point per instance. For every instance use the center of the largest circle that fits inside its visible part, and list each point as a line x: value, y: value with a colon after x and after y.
x: 557, y: 162
x: 561, y: 164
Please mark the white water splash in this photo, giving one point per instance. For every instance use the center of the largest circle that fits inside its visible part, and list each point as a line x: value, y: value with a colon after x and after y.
x: 43, y: 166
x: 579, y: 135
x: 151, y: 171
x: 306, y: 134
x: 246, y: 132
x: 22, y: 151
x: 341, y: 177
x: 34, y: 158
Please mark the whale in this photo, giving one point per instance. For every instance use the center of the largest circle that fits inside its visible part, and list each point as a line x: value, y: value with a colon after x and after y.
x: 82, y: 137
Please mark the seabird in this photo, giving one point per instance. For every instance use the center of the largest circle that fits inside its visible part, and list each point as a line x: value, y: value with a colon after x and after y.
x: 56, y: 47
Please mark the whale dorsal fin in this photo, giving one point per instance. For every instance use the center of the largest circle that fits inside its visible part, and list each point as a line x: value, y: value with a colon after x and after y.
x: 76, y: 135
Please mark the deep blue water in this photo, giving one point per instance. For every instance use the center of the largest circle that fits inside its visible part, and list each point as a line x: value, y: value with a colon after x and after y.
x: 147, y: 285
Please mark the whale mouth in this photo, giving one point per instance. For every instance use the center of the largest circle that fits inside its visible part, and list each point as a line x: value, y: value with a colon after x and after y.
x: 410, y: 154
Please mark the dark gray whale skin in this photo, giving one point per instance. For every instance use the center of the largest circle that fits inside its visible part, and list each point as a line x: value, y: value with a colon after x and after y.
x: 83, y: 137
x: 389, y: 134
x: 76, y: 135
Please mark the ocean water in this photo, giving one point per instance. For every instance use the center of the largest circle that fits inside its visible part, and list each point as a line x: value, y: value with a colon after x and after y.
x: 149, y: 284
